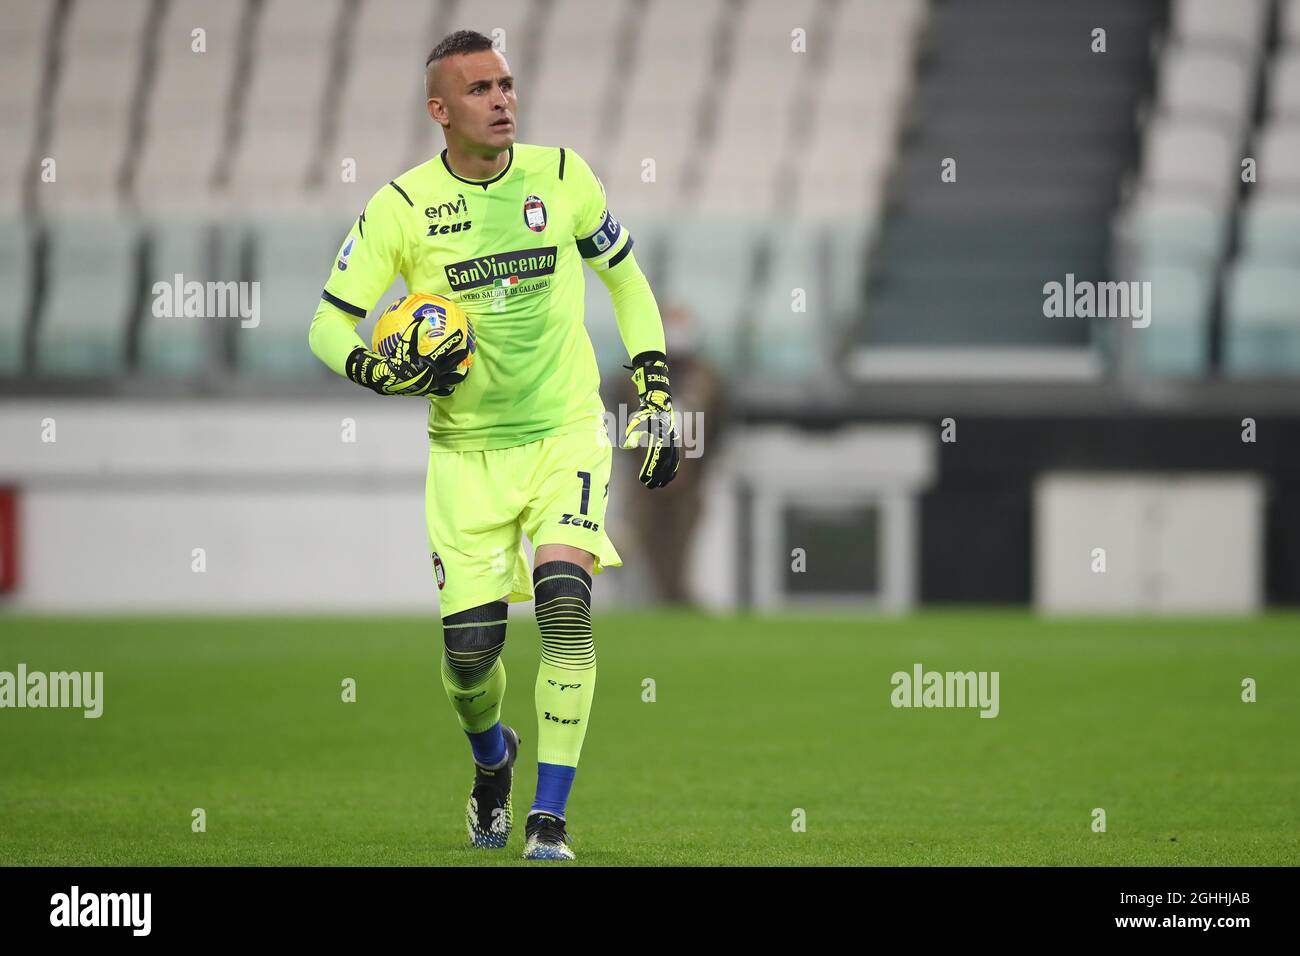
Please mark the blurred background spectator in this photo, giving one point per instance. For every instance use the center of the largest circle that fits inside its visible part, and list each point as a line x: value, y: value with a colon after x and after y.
x: 668, y: 518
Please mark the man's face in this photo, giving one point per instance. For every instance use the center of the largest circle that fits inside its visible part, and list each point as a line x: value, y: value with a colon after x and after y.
x: 472, y: 96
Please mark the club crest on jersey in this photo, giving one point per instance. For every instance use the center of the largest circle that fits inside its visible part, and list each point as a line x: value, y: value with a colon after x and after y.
x: 346, y: 253
x: 438, y: 571
x: 534, y: 214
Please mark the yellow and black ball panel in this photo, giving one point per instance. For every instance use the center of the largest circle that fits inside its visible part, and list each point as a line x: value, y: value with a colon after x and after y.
x: 437, y: 316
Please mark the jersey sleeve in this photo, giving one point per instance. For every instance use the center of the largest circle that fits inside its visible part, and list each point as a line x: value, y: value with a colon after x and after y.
x: 607, y: 247
x: 370, y: 257
x: 366, y: 264
x: 602, y: 240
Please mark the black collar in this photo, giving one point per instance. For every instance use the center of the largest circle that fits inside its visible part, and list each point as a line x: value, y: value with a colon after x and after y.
x: 485, y: 183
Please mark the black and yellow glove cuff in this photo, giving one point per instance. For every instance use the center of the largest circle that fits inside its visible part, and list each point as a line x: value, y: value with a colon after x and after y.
x: 366, y: 368
x: 650, y: 374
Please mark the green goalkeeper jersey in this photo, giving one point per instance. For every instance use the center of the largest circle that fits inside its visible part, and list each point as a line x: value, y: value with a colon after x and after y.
x: 509, y: 250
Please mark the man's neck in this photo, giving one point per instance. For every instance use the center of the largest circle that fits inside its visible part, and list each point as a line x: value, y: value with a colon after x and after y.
x: 475, y: 166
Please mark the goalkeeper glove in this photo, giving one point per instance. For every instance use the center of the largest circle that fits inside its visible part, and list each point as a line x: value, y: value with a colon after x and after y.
x: 407, y: 372
x: 652, y: 425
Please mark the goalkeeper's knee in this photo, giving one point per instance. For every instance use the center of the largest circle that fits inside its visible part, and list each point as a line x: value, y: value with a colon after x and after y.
x: 562, y: 592
x: 472, y: 642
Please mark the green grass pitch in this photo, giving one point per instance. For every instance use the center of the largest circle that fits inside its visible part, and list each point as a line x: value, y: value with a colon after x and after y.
x: 753, y: 718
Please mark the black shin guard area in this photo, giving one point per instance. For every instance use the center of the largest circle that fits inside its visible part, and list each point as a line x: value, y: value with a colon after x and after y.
x: 473, y: 640
x: 562, y: 593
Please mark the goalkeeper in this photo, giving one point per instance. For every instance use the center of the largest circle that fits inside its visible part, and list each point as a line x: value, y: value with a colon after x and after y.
x: 518, y: 446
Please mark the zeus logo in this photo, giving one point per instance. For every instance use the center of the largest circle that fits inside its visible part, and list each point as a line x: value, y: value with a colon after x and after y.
x: 579, y: 523
x: 562, y: 720
x: 437, y: 230
x: 470, y: 697
x: 561, y: 686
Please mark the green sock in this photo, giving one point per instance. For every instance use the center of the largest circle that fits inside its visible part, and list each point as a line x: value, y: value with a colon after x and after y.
x: 566, y: 679
x: 479, y: 706
x: 563, y: 699
x: 473, y: 673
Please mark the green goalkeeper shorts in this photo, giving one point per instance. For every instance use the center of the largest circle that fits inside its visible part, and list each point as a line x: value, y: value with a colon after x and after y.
x: 478, y: 504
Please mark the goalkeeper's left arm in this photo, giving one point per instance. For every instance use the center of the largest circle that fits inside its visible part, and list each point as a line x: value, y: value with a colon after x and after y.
x: 642, y: 330
x: 607, y: 248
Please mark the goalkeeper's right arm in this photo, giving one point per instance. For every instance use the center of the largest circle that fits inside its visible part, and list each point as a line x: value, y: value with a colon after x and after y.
x: 333, y: 336
x: 367, y: 263
x: 334, y: 340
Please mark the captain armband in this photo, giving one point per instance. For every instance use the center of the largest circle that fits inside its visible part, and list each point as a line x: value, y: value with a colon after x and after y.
x: 607, y: 246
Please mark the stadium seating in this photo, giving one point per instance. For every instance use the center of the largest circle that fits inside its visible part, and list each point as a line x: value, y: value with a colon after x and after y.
x: 960, y: 262
x: 750, y: 164
x: 1177, y: 342
x: 646, y: 168
x: 756, y: 112
x: 1284, y: 85
x: 83, y: 323
x: 1277, y: 149
x: 1237, y: 27
x: 711, y: 267
x: 380, y: 102
x: 792, y: 305
x: 276, y: 155
x: 869, y: 66
x: 1270, y: 227
x: 1210, y: 85
x: 92, y: 142
x: 290, y: 261
x: 568, y: 106
x: 186, y: 116
x: 22, y: 68
x: 1191, y: 208
x: 175, y: 344
x: 1173, y: 227
x: 223, y: 135
x: 1263, y: 328
x: 1191, y: 157
x: 1289, y: 22
x: 15, y: 265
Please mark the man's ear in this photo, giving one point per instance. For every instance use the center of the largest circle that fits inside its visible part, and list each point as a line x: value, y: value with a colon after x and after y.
x: 437, y: 112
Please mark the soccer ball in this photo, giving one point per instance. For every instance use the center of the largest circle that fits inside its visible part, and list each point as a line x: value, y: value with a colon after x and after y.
x: 436, y: 317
